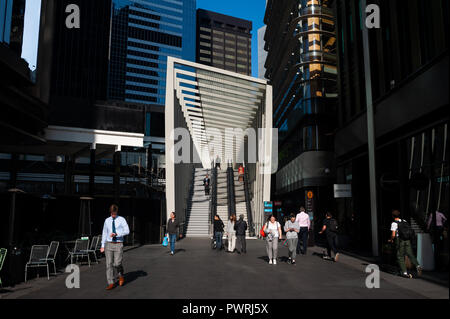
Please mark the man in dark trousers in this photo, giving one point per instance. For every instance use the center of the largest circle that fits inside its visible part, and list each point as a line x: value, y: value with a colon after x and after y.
x: 330, y: 230
x: 241, y: 227
x: 206, y: 183
x: 402, y: 235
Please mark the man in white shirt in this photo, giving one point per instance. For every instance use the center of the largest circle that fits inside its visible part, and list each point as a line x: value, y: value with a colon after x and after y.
x: 114, y: 230
x: 305, y: 224
x: 401, y: 236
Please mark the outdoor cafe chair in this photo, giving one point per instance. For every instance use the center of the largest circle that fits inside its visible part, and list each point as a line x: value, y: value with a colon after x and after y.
x: 93, y: 247
x: 52, y: 251
x: 3, y: 252
x: 38, y: 258
x: 99, y: 244
x: 80, y: 250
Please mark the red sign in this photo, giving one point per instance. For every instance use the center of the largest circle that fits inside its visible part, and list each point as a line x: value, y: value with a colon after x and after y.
x: 277, y: 203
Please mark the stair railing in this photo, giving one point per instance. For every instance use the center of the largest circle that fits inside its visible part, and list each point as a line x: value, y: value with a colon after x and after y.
x: 230, y: 190
x: 251, y: 228
x: 213, y: 194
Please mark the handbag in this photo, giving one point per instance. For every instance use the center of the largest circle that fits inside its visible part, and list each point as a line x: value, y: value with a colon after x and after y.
x: 165, y: 242
x: 262, y: 232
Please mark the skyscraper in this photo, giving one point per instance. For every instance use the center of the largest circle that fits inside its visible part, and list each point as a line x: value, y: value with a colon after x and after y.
x: 301, y: 65
x: 224, y: 42
x: 262, y: 54
x: 144, y: 34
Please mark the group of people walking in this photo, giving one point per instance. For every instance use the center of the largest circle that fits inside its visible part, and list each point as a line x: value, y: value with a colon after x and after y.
x: 296, y: 228
x: 235, y: 232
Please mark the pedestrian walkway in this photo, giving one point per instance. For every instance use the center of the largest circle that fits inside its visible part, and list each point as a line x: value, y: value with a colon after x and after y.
x: 196, y: 271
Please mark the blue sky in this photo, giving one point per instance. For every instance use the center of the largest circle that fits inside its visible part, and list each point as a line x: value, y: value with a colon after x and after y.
x: 252, y: 10
x: 31, y: 32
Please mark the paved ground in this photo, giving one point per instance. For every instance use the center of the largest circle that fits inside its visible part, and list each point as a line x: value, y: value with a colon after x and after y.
x: 197, y: 272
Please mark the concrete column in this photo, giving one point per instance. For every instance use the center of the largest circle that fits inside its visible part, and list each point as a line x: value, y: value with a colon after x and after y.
x: 68, y: 170
x: 170, y: 125
x: 370, y: 139
x: 92, y: 170
x: 116, y: 178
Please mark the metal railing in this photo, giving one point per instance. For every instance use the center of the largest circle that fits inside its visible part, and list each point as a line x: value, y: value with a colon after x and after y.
x: 213, y: 194
x: 230, y: 190
x: 251, y: 227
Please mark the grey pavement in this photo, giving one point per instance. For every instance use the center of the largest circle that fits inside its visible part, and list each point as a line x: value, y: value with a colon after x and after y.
x: 198, y: 272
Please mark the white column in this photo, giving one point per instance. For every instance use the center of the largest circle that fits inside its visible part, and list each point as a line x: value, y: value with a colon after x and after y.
x: 170, y: 125
x: 268, y: 115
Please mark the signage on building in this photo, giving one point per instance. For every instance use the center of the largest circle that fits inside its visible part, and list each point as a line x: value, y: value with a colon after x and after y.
x: 342, y: 190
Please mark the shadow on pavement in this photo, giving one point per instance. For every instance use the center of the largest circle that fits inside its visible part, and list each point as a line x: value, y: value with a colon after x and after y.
x: 181, y: 250
x: 132, y: 276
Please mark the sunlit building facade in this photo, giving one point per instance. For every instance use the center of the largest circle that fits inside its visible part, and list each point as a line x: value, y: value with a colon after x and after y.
x: 301, y: 65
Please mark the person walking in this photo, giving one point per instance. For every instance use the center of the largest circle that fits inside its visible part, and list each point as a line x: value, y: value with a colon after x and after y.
x: 231, y: 234
x: 206, y: 182
x: 330, y: 230
x: 115, y: 229
x: 241, y: 173
x: 218, y: 162
x: 273, y: 230
x: 292, y: 228
x: 172, y: 230
x: 305, y: 224
x: 241, y: 228
x: 401, y: 235
x: 218, y: 231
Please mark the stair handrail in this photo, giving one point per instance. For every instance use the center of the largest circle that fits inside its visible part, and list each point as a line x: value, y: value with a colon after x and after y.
x: 230, y: 189
x: 248, y: 205
x: 213, y: 194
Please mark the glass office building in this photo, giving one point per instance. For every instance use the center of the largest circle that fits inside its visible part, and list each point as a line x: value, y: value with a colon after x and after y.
x: 144, y: 34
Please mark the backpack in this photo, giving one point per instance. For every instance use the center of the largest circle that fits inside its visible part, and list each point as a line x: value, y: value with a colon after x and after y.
x: 405, y: 232
x: 333, y: 225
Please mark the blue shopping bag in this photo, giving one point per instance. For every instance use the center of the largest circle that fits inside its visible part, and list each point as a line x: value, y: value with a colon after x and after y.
x: 165, y: 242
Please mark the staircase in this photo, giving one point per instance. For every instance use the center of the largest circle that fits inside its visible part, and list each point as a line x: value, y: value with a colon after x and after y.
x: 222, y: 195
x: 239, y: 195
x: 198, y: 208
x: 416, y: 227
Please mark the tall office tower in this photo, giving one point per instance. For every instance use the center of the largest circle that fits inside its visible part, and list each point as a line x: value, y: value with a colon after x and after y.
x: 23, y: 116
x: 408, y: 61
x: 301, y: 66
x: 144, y: 34
x: 224, y: 42
x: 80, y: 60
x: 262, y: 54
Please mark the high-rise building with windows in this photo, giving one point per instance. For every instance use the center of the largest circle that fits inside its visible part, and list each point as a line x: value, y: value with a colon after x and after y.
x: 144, y: 34
x: 301, y: 65
x: 224, y: 42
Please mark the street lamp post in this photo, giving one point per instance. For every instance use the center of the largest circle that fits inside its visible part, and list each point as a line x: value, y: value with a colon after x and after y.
x: 370, y: 138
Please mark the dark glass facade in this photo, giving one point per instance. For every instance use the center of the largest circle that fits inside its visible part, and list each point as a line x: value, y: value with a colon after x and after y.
x: 224, y: 42
x: 409, y: 83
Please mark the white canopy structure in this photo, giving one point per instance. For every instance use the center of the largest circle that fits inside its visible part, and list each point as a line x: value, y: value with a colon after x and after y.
x: 216, y: 106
